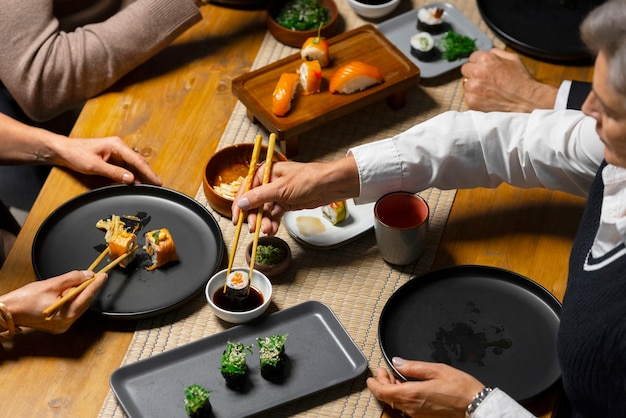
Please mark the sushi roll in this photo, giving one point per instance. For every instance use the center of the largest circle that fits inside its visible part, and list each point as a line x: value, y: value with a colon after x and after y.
x: 431, y: 20
x: 197, y: 403
x: 237, y: 285
x: 160, y: 247
x: 311, y: 76
x: 272, y: 357
x: 353, y: 77
x: 121, y: 243
x: 233, y: 365
x: 335, y: 212
x: 284, y: 93
x: 316, y: 49
x: 423, y: 47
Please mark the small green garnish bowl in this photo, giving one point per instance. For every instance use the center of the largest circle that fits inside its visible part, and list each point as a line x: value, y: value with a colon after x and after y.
x: 273, y: 256
x: 295, y: 38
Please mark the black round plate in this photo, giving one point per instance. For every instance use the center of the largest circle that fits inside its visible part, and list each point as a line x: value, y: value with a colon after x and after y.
x: 545, y: 29
x: 494, y: 324
x: 68, y: 240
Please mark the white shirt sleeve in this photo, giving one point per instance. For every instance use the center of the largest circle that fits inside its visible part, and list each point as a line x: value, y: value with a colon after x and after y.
x: 500, y: 405
x: 562, y: 95
x: 557, y: 150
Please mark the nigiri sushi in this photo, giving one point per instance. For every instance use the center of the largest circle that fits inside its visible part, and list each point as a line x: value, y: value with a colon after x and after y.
x: 311, y: 76
x: 284, y: 92
x: 316, y: 48
x: 353, y: 77
x: 160, y: 247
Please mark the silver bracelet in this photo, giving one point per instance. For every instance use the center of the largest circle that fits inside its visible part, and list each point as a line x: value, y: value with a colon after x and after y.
x: 480, y: 396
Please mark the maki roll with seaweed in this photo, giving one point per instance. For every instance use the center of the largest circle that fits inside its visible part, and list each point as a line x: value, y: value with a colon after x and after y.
x: 233, y: 365
x: 197, y: 404
x: 272, y: 357
x: 423, y: 47
x: 336, y: 211
x: 237, y: 283
x: 431, y: 20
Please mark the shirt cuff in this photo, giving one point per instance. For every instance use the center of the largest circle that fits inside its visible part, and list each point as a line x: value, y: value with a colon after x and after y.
x: 499, y: 404
x: 562, y: 95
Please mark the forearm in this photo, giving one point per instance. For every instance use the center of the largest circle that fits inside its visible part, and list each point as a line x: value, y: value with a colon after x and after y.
x: 24, y: 144
x: 48, y: 71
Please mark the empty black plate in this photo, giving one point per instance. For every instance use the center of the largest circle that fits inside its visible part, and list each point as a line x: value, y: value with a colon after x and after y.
x: 545, y: 29
x: 494, y: 324
x: 69, y: 240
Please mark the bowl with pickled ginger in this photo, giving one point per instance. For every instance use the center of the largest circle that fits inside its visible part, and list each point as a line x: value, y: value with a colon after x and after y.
x: 239, y: 296
x: 226, y: 170
x: 292, y: 22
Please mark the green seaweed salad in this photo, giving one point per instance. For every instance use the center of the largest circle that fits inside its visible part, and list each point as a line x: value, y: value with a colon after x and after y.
x: 456, y: 46
x: 302, y: 15
x: 268, y: 255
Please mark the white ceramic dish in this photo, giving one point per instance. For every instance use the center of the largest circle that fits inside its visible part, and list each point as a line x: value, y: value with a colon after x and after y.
x: 373, y: 11
x: 259, y: 281
x: 399, y: 30
x: 310, y: 227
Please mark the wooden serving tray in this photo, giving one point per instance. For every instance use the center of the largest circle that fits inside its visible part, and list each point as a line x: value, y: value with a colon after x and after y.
x: 366, y: 44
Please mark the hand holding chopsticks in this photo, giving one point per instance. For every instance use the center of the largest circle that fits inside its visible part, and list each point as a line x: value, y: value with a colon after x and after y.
x: 52, y: 310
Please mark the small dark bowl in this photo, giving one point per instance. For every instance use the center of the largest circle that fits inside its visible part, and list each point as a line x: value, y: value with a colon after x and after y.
x: 271, y: 270
x: 228, y: 163
x: 296, y: 38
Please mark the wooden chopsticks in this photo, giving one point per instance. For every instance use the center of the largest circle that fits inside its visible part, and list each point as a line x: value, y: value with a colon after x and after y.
x: 52, y: 310
x: 251, y: 169
x: 266, y: 178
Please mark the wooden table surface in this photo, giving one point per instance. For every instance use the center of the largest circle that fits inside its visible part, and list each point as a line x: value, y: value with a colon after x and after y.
x: 162, y: 110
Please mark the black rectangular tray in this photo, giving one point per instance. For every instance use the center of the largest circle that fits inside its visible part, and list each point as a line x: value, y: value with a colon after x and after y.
x: 320, y: 354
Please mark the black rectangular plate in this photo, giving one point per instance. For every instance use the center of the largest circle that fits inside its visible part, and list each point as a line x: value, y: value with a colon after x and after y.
x: 320, y: 354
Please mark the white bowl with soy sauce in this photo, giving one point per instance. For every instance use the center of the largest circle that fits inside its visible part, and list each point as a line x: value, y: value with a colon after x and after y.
x: 373, y: 9
x: 234, y: 308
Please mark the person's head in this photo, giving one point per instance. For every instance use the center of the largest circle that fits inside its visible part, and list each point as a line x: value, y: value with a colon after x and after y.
x: 604, y: 33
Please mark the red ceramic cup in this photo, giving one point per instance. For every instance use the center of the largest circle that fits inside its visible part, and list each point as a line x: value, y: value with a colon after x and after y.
x: 400, y: 224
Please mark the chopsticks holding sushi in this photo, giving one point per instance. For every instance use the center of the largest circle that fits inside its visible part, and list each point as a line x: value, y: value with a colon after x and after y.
x: 266, y: 178
x: 50, y: 311
x: 253, y: 161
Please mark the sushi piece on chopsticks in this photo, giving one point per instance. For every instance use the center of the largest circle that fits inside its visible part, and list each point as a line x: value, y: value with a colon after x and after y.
x: 160, y: 247
x: 197, y: 403
x: 233, y: 365
x: 237, y: 286
x: 118, y: 238
x: 284, y: 93
x: 311, y: 76
x: 272, y: 357
x: 353, y: 77
x: 316, y: 49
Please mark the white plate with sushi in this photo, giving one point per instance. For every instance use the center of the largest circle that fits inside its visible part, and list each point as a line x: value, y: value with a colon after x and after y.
x: 399, y: 30
x: 311, y: 227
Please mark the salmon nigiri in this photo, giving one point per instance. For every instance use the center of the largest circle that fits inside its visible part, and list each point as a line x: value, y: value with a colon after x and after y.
x: 316, y: 48
x: 311, y: 76
x: 284, y: 92
x: 353, y: 77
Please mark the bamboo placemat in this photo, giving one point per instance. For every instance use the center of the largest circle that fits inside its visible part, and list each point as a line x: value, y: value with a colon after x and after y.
x: 352, y: 280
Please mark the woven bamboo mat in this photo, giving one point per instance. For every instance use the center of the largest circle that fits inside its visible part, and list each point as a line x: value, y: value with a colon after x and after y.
x: 365, y: 281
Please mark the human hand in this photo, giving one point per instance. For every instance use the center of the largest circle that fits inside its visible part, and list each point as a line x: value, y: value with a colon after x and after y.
x: 442, y: 390
x: 109, y: 157
x: 497, y: 80
x: 295, y: 186
x: 27, y: 303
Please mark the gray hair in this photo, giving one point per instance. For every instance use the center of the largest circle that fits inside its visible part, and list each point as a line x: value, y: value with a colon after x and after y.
x: 604, y: 29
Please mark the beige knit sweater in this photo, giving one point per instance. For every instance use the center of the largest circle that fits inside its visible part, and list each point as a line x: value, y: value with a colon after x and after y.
x: 49, y: 70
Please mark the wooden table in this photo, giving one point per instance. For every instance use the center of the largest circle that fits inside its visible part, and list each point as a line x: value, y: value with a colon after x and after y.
x: 156, y: 110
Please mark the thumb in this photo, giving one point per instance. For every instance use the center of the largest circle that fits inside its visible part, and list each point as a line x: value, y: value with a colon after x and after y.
x: 421, y: 370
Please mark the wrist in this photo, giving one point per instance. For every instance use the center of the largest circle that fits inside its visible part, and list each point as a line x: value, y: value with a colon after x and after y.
x: 477, y: 400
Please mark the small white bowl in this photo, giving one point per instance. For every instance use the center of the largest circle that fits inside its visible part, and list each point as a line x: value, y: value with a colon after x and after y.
x: 373, y: 11
x: 259, y: 282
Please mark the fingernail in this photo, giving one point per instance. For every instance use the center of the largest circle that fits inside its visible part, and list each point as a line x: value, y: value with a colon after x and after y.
x: 88, y: 274
x: 126, y: 178
x: 244, y: 203
x: 398, y: 361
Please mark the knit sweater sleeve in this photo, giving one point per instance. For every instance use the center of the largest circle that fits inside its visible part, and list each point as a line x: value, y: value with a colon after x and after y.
x: 48, y: 70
